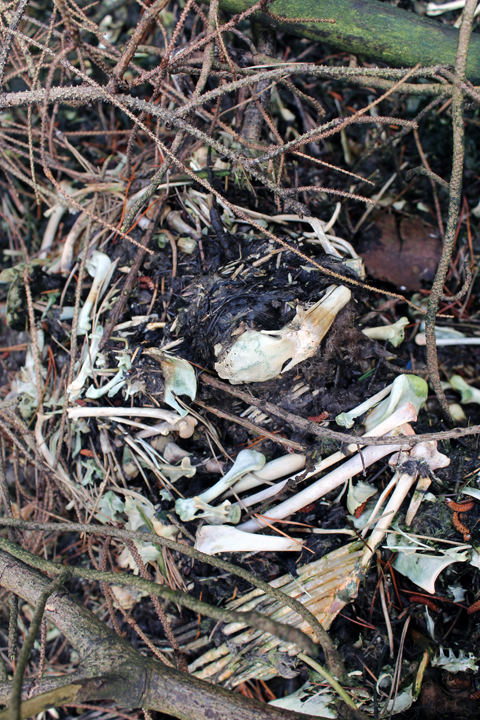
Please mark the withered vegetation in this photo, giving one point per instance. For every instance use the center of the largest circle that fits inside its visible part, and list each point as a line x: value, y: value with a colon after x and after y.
x: 182, y: 191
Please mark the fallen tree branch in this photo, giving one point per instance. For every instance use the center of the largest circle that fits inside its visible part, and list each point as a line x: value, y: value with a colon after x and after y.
x: 368, y: 28
x: 112, y: 669
x: 333, y: 658
x: 30, y: 641
x: 285, y: 632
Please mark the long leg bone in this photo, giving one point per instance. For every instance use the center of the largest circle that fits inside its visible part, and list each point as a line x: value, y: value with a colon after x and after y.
x: 405, y: 476
x: 337, y: 477
x: 403, y: 415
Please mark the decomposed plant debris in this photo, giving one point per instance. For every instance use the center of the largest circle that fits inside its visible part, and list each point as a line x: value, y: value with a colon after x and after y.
x: 218, y: 442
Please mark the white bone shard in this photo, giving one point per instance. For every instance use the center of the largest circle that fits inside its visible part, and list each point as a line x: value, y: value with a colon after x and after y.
x: 260, y: 355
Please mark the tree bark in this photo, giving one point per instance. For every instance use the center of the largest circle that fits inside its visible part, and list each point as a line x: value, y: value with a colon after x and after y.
x: 369, y: 28
x: 111, y: 669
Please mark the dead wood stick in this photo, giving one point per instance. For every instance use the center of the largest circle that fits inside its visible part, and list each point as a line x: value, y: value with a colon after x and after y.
x: 365, y: 28
x: 323, y: 432
x: 254, y: 428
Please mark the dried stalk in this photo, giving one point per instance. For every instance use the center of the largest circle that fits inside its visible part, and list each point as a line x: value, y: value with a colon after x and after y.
x: 455, y: 186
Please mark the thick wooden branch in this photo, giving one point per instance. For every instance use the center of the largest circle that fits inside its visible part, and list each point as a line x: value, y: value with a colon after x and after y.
x: 253, y: 619
x: 59, y: 691
x: 369, y: 28
x: 112, y: 669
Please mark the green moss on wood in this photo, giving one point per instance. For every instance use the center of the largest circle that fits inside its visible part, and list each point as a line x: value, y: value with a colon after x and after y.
x: 372, y: 29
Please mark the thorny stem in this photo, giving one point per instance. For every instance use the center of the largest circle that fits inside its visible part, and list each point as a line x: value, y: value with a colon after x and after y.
x: 29, y: 642
x: 154, y: 182
x: 161, y: 614
x: 7, y: 41
x: 206, y: 138
x: 377, y: 77
x: 333, y: 126
x: 393, y: 142
x: 208, y: 53
x: 462, y: 85
x: 106, y: 590
x: 453, y: 207
x: 294, y: 204
x: 37, y: 460
x: 279, y: 74
x: 122, y: 101
x: 433, y: 179
x: 350, y: 74
x: 464, y: 289
x: 428, y: 173
x: 156, y: 93
x: 230, y: 24
x: 148, y: 17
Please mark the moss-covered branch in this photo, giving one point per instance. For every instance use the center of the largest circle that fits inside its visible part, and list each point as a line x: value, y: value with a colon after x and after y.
x: 334, y: 662
x: 254, y: 619
x: 371, y: 29
x: 117, y: 670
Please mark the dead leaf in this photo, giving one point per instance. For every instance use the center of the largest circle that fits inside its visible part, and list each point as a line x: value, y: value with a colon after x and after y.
x: 403, y: 254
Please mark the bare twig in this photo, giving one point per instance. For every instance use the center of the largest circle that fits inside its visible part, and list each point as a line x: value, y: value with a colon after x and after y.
x: 258, y: 429
x: 453, y: 206
x: 324, y: 432
x: 132, y: 275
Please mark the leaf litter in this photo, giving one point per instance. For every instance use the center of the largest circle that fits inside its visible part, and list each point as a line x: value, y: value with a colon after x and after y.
x: 225, y: 235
